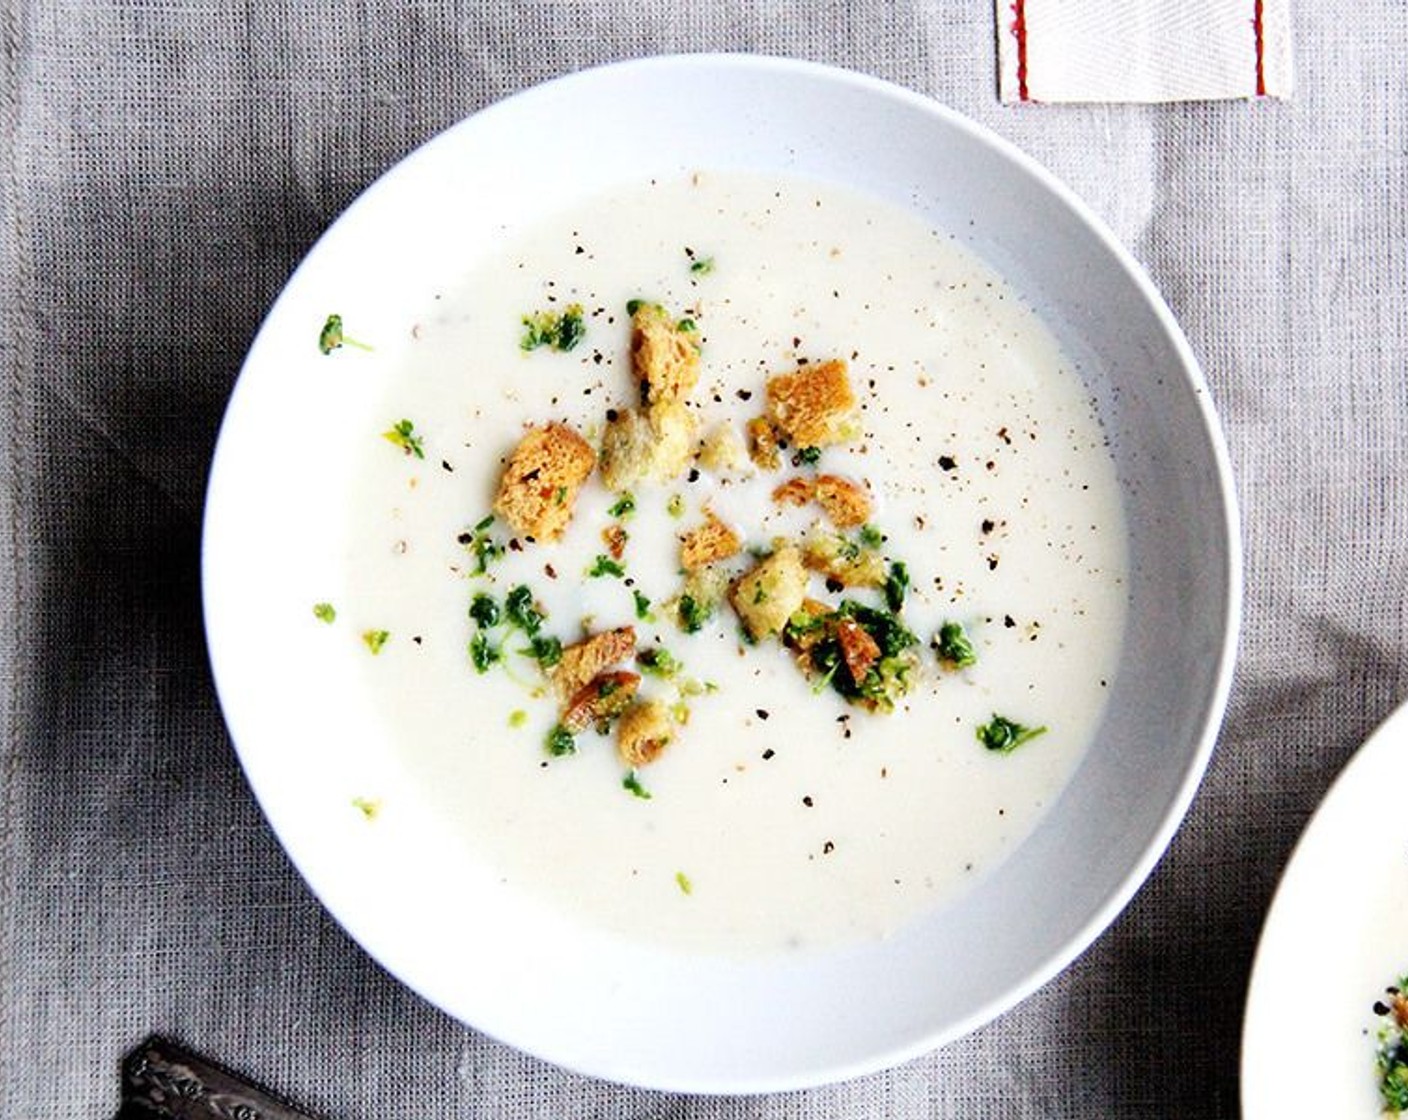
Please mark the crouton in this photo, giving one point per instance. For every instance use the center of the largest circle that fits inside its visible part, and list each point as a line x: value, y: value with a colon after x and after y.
x: 843, y: 560
x: 703, y: 589
x: 627, y: 445
x: 581, y: 661
x: 794, y: 492
x: 664, y: 355
x: 766, y: 595
x: 723, y: 450
x: 655, y: 445
x: 600, y: 701
x: 540, y: 481
x: 644, y: 732
x: 813, y: 407
x: 615, y: 537
x: 807, y: 625
x: 674, y: 427
x: 762, y: 444
x: 860, y: 650
x: 713, y: 540
x: 844, y: 501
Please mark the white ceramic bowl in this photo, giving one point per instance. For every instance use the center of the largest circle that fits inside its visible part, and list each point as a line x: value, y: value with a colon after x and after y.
x: 1335, y: 937
x: 646, y: 1016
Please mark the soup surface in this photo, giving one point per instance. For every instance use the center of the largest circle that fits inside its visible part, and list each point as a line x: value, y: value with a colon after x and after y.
x: 780, y: 816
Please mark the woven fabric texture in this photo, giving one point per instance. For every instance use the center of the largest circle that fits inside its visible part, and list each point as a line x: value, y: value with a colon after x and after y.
x: 163, y: 167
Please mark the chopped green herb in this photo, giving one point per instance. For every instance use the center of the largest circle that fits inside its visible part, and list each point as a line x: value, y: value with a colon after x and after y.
x: 801, y: 624
x: 484, y: 548
x: 624, y: 506
x: 561, y: 742
x: 545, y: 650
x: 557, y: 330
x: 367, y: 806
x: 682, y: 881
x: 870, y: 537
x: 403, y: 435
x: 1392, y: 1065
x: 693, y: 614
x: 642, y: 605
x: 486, y: 551
x: 331, y: 336
x: 631, y: 783
x: 605, y: 566
x: 675, y: 506
x: 953, y: 646
x: 686, y: 325
x: 1005, y: 736
x: 896, y: 585
x: 886, y: 628
x: 375, y: 639
x: 885, y: 679
x: 1391, y: 1055
x: 483, y: 653
x: 521, y: 610
x: 517, y: 718
x: 484, y: 610
x: 658, y: 662
x: 809, y: 456
x: 634, y: 305
x: 324, y: 612
x: 702, y: 266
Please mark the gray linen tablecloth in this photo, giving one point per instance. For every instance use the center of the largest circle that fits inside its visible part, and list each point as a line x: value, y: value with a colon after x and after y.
x: 164, y: 165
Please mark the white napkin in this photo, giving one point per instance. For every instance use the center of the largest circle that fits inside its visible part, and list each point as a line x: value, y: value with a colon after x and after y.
x: 1143, y: 50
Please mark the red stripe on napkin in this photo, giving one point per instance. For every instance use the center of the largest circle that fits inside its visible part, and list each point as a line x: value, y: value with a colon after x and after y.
x: 1019, y: 30
x: 1258, y: 24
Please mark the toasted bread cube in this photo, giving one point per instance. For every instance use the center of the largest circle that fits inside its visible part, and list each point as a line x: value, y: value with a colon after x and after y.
x: 627, y: 447
x: 644, y: 732
x: 600, y: 701
x: 581, y: 661
x: 766, y: 595
x: 860, y: 650
x: 843, y: 560
x: 664, y: 355
x: 675, y: 430
x: 807, y: 625
x: 713, y: 540
x: 655, y: 445
x: 723, y: 450
x: 762, y: 444
x: 847, y: 503
x: 540, y: 481
x: 614, y: 536
x: 794, y: 492
x: 813, y: 407
x: 699, y: 596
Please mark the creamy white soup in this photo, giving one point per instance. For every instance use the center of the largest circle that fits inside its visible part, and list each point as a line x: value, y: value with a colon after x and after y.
x: 781, y: 815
